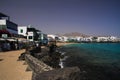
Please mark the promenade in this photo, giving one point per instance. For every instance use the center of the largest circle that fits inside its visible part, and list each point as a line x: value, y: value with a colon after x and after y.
x: 11, y: 68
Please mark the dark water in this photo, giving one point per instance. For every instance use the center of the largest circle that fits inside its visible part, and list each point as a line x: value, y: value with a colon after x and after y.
x: 97, y: 61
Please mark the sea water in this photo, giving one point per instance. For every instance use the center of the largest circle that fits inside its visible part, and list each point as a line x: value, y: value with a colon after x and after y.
x: 100, y: 61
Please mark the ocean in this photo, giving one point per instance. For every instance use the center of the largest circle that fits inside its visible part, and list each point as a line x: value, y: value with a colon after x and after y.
x: 97, y: 61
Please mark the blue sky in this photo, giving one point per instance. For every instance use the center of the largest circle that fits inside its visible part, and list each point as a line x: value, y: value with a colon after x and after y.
x: 92, y: 17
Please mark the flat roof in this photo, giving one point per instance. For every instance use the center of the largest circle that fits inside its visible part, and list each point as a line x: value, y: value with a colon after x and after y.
x: 3, y: 15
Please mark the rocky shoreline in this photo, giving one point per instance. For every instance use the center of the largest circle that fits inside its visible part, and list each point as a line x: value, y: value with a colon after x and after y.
x: 41, y: 71
x: 47, y: 64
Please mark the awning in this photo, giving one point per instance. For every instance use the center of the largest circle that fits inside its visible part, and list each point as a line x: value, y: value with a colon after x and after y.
x: 1, y: 39
x: 23, y: 40
x: 11, y: 39
x: 5, y: 32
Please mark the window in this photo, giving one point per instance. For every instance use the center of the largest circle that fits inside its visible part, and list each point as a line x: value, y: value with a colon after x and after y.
x: 21, y: 31
x: 2, y: 27
x: 4, y: 35
x: 30, y: 37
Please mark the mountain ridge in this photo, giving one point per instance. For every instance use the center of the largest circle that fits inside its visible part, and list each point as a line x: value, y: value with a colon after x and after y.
x: 73, y: 34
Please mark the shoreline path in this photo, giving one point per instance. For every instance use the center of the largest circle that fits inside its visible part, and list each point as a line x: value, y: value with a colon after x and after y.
x: 11, y: 68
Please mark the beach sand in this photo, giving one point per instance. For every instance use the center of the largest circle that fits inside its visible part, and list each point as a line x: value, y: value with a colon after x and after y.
x: 11, y: 68
x: 63, y: 43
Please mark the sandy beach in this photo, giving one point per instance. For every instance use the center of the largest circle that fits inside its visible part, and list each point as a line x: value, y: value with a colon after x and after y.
x: 63, y: 43
x: 11, y: 68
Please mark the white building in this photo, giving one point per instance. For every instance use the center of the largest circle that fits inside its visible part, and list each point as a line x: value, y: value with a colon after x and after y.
x: 51, y: 37
x: 30, y: 36
x: 104, y: 39
x: 64, y: 38
x: 113, y: 38
x: 31, y: 33
x: 22, y: 30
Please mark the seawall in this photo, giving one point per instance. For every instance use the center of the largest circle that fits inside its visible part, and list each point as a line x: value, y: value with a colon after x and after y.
x: 41, y: 71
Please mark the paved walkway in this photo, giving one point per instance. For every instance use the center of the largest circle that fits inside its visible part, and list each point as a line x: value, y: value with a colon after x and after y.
x: 11, y: 69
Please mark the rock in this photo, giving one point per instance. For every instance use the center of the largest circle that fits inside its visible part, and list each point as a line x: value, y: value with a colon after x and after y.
x: 36, y: 65
x: 41, y: 71
x: 71, y: 73
x: 21, y: 57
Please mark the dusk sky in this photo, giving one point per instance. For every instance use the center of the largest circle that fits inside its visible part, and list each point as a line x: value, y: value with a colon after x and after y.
x: 91, y: 17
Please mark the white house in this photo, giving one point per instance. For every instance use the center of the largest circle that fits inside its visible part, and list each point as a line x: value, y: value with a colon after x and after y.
x: 64, y: 39
x: 30, y: 36
x: 99, y: 39
x: 51, y: 36
x: 22, y: 30
x: 113, y: 38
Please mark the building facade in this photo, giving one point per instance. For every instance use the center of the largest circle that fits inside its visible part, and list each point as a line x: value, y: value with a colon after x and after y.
x: 22, y: 30
x: 7, y: 28
x: 31, y: 33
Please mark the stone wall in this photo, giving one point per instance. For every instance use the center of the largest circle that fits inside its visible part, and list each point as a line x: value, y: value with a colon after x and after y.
x: 72, y: 73
x: 41, y: 71
x: 36, y: 65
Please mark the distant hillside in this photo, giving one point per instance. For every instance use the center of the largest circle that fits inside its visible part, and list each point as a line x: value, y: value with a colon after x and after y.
x: 73, y: 34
